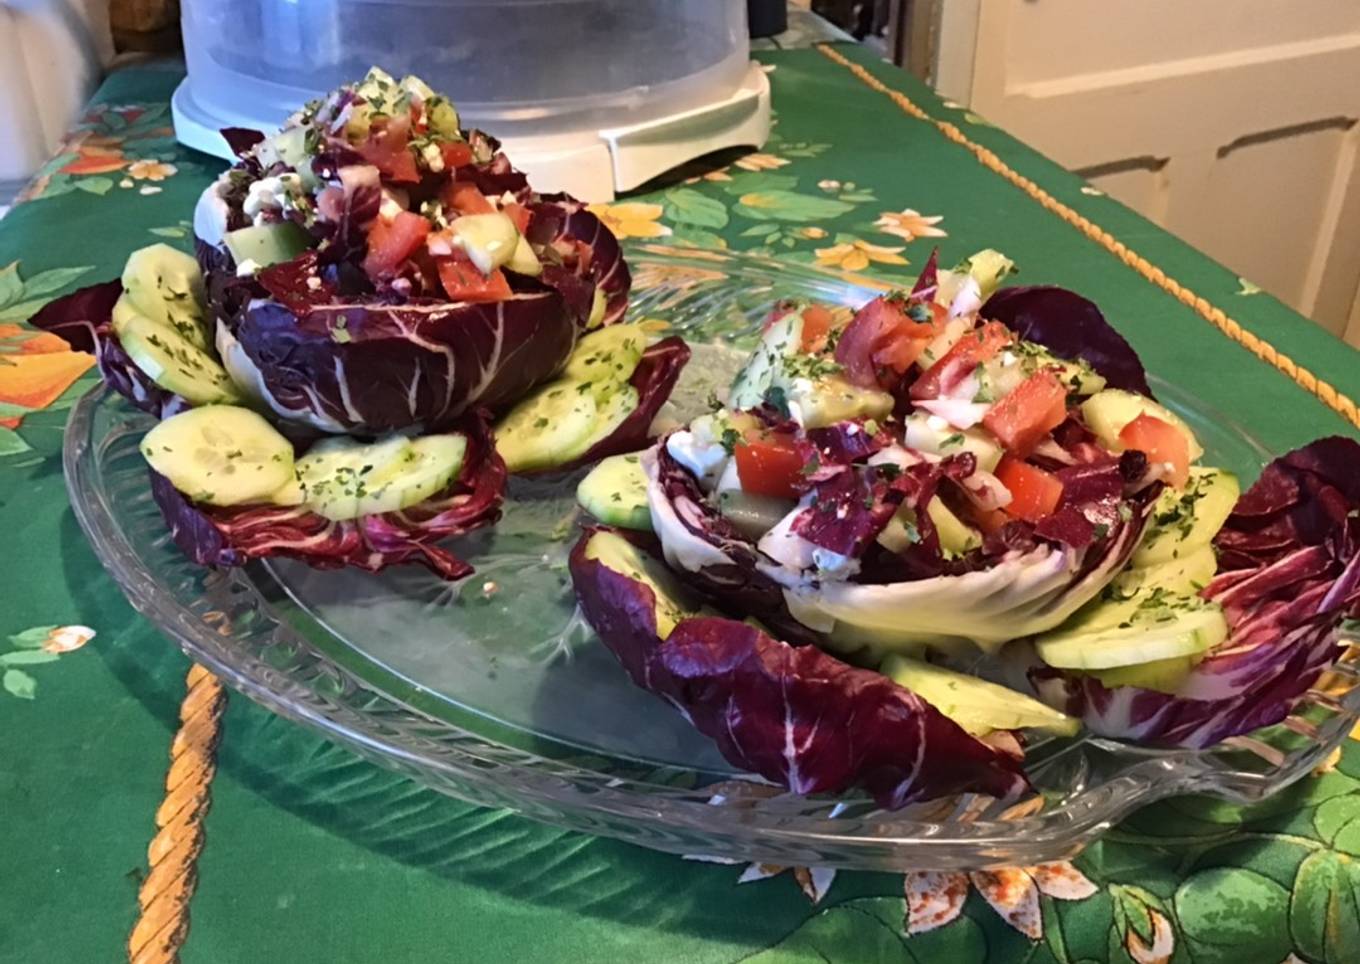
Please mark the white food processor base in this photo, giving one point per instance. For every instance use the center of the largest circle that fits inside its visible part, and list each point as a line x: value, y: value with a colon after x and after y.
x: 592, y: 165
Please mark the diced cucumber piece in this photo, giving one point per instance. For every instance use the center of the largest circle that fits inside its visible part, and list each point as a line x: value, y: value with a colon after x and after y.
x: 523, y: 260
x: 930, y: 433
x: 607, y: 355
x: 956, y: 537
x: 1151, y: 626
x: 1163, y: 675
x: 431, y: 463
x: 290, y: 144
x: 1188, y: 574
x: 220, y: 454
x: 488, y: 239
x: 166, y: 286
x: 1183, y: 520
x: 1107, y: 412
x: 611, y: 410
x: 988, y: 268
x: 1004, y: 373
x: 615, y: 492
x: 443, y: 117
x: 752, y: 514
x: 831, y: 399
x: 338, y: 473
x: 951, y: 334
x: 975, y: 704
x: 175, y: 363
x: 674, y: 603
x: 539, y: 432
x: 779, y: 341
x: 264, y: 244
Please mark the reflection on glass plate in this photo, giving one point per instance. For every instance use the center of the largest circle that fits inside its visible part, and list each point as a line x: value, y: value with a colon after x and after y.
x: 495, y: 691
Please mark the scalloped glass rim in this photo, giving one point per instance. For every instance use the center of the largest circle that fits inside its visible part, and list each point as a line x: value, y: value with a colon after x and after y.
x: 240, y: 625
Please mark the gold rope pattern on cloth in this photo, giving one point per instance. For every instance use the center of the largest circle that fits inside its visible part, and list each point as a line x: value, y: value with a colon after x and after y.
x: 1325, y: 392
x: 173, y: 853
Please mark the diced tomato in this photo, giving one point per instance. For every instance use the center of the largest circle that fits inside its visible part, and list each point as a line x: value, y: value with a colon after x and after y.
x: 392, y: 242
x: 989, y: 520
x: 517, y: 213
x: 455, y: 153
x: 418, y: 122
x: 466, y: 199
x: 1036, y: 407
x: 386, y: 149
x: 464, y: 282
x: 770, y: 465
x: 817, y: 322
x: 1034, y: 492
x: 974, y: 348
x: 1162, y: 442
x: 881, y: 336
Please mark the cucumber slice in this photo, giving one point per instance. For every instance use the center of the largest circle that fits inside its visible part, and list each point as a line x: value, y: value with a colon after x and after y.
x: 489, y: 239
x: 175, y: 363
x: 261, y: 245
x: 956, y: 536
x: 1107, y: 412
x: 523, y: 259
x: 974, y: 704
x: 615, y: 492
x: 338, y: 473
x: 610, y: 414
x: 1149, y: 627
x: 220, y: 454
x: 673, y: 602
x: 166, y: 286
x: 609, y: 354
x: 598, y: 304
x: 1188, y: 574
x: 1163, y: 675
x: 543, y: 429
x: 1184, y: 520
x: 930, y: 433
x: 429, y: 466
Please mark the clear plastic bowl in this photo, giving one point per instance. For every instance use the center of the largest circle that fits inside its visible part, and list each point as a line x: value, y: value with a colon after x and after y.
x: 513, y: 67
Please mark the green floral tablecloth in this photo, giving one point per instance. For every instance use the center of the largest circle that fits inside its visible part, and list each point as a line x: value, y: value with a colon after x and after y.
x: 313, y: 855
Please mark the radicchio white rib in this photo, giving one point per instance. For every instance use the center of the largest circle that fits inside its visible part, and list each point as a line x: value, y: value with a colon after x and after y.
x: 1291, y: 552
x: 231, y: 535
x: 794, y: 715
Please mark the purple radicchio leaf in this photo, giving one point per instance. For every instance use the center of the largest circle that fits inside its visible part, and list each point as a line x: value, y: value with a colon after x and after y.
x: 1291, y: 550
x: 241, y: 140
x: 1071, y: 327
x: 84, y: 320
x: 794, y: 715
x: 229, y: 536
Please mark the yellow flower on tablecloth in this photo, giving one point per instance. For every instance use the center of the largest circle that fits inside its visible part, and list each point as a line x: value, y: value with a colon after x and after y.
x: 631, y: 219
x: 856, y: 255
x: 760, y: 162
x: 719, y: 175
x: 828, y: 184
x: 67, y: 639
x: 910, y: 224
x: 935, y: 898
x: 810, y: 233
x: 151, y: 170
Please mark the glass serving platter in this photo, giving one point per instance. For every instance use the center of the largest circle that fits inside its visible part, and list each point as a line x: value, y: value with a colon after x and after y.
x: 493, y: 690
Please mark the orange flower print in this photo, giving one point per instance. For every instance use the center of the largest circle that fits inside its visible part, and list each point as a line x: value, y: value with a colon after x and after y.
x: 36, y: 368
x: 910, y: 224
x: 67, y: 639
x: 935, y: 898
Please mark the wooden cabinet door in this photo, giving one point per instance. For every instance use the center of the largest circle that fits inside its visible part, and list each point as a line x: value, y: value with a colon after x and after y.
x: 1232, y: 123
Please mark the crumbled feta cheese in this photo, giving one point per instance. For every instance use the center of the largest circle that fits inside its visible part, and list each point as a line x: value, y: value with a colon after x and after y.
x: 936, y: 423
x: 1008, y: 359
x: 313, y: 283
x: 700, y: 449
x: 434, y: 158
x: 247, y: 268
